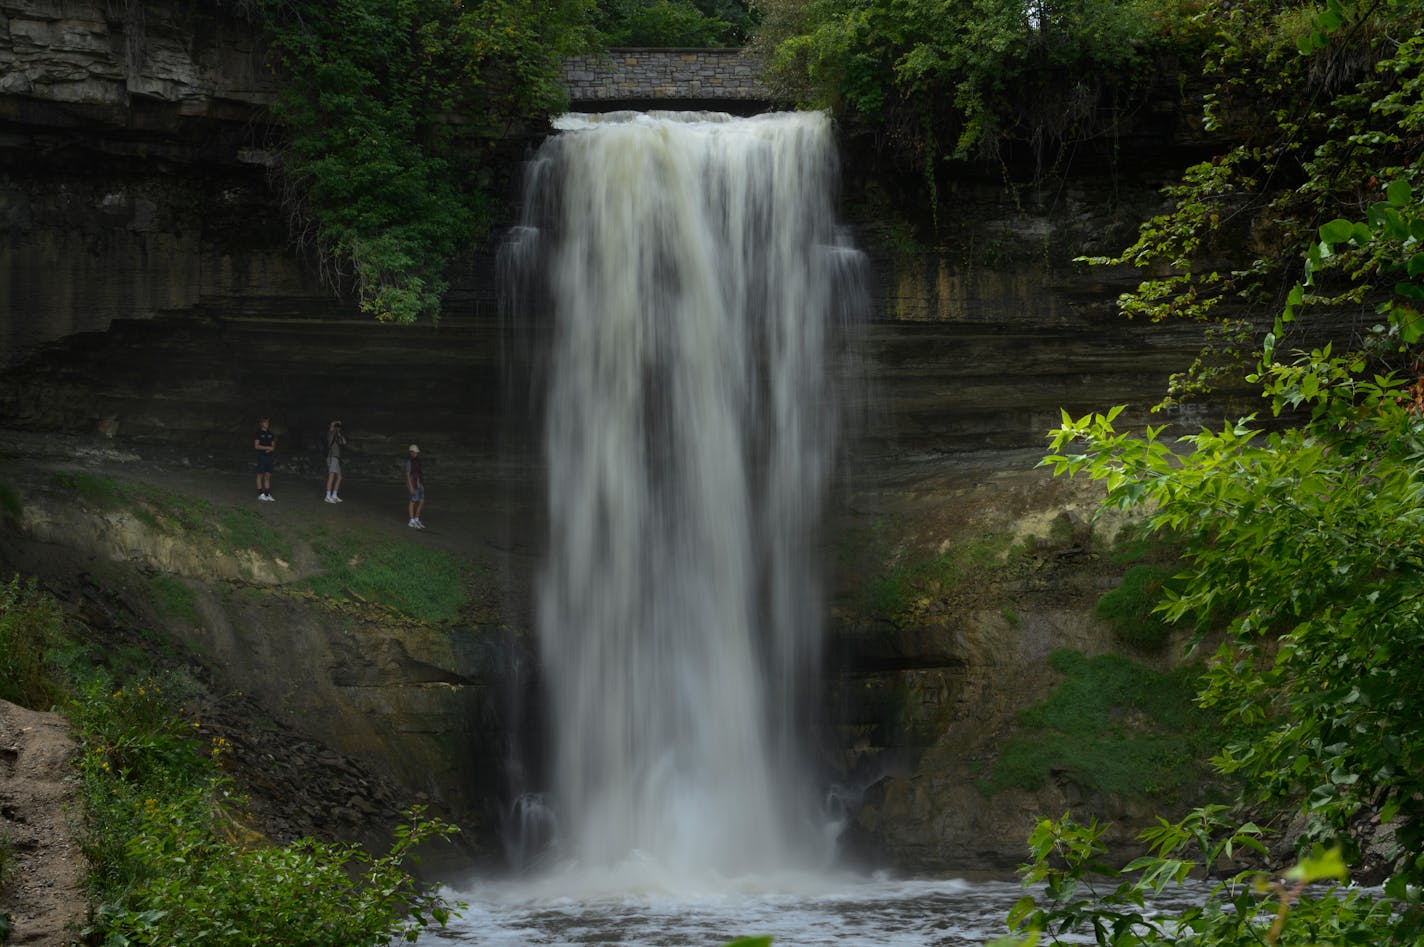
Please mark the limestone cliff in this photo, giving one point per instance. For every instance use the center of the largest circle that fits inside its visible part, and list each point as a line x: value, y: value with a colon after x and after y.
x: 133, y: 169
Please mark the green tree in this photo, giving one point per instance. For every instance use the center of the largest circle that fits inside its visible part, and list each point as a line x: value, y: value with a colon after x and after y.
x: 1320, y: 110
x: 1302, y: 536
x: 694, y: 23
x: 1309, y: 538
x: 393, y: 110
x: 967, y: 78
x: 1308, y: 541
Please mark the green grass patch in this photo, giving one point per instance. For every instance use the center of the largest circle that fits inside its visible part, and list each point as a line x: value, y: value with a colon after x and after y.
x: 109, y: 493
x: 1111, y: 725
x: 1130, y: 608
x: 101, y: 491
x: 423, y: 583
x: 173, y: 598
x: 243, y: 529
x: 904, y: 592
x: 230, y: 529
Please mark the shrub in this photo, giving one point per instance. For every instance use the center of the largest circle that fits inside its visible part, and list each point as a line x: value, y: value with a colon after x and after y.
x: 172, y: 865
x: 193, y: 887
x: 31, y: 628
x: 1131, y: 608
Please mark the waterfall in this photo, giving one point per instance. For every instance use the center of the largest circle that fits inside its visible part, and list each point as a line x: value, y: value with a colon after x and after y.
x: 693, y: 277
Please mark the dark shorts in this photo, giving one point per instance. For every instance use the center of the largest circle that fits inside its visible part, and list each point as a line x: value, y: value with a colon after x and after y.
x: 264, y: 463
x: 417, y: 495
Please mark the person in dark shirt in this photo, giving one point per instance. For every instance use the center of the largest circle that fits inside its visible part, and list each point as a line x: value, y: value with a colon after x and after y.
x: 266, y: 445
x: 415, y: 483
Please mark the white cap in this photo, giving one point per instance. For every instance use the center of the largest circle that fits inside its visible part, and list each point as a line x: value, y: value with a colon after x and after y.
x: 414, y: 449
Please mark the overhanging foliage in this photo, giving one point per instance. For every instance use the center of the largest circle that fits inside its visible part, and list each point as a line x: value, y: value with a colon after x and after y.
x: 392, y: 110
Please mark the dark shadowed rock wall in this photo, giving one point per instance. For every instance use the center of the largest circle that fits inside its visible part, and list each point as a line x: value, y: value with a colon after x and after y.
x: 133, y: 169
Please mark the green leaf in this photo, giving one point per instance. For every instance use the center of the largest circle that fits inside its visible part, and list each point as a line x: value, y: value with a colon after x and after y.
x: 1398, y: 193
x: 1022, y: 908
x: 1410, y: 322
x: 1389, y: 810
x: 1319, y: 866
x: 1337, y: 231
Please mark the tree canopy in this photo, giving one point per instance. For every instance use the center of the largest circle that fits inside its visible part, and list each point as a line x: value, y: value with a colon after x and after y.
x: 1302, y: 527
x: 967, y: 79
x: 392, y: 111
x: 694, y: 23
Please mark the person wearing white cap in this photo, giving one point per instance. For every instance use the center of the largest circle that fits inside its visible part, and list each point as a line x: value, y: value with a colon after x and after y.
x: 335, y: 440
x: 415, y: 483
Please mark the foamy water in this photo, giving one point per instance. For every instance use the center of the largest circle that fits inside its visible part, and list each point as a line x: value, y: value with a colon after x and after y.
x: 794, y: 912
x: 805, y: 911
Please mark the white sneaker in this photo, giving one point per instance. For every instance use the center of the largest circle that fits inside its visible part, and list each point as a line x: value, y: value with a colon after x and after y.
x: 413, y: 524
x: 331, y: 499
x: 264, y: 498
x: 419, y: 524
x: 335, y: 498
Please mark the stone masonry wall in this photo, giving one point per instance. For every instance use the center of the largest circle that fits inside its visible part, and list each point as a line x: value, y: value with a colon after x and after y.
x: 653, y: 74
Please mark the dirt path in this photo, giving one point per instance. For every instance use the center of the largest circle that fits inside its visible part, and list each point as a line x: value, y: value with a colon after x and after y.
x: 44, y: 895
x: 467, y: 514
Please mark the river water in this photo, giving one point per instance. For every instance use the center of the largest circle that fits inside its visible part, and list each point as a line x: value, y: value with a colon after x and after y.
x: 796, y: 911
x: 806, y: 912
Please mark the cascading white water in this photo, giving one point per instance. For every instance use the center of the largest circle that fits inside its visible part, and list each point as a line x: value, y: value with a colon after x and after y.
x: 695, y: 275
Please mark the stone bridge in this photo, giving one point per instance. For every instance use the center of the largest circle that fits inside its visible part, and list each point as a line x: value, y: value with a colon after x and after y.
x: 728, y: 80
